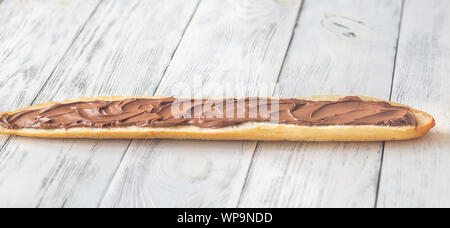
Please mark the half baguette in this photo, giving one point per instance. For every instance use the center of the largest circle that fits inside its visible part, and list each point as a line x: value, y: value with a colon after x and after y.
x: 249, y: 131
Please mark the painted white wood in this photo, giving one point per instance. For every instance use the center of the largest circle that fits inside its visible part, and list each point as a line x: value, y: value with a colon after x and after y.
x: 228, y: 43
x: 339, y: 47
x: 124, y: 49
x: 416, y: 173
x: 32, y: 42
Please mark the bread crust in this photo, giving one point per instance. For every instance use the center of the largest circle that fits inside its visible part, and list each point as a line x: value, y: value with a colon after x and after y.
x: 248, y: 131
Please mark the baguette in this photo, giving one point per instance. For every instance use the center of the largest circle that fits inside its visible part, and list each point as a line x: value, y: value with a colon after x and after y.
x: 263, y: 131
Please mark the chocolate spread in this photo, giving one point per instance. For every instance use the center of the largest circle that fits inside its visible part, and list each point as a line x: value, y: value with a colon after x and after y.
x: 205, y: 113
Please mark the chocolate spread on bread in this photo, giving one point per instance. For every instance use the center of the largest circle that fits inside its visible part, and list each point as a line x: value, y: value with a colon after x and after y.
x: 210, y: 113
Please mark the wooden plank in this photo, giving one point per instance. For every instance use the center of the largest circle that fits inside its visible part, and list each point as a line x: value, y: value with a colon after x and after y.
x: 32, y: 42
x: 229, y: 43
x: 124, y: 50
x: 339, y: 47
x: 417, y: 173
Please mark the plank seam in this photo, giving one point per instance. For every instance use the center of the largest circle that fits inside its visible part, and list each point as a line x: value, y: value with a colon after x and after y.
x: 247, y: 174
x: 5, y: 144
x: 380, y: 171
x: 289, y: 45
x: 178, y: 45
x: 390, y: 99
x: 273, y: 93
x: 115, y: 174
x: 156, y: 89
x: 56, y: 66
x: 65, y: 53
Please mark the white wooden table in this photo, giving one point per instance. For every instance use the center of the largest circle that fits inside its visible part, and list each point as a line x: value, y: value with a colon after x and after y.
x: 63, y: 49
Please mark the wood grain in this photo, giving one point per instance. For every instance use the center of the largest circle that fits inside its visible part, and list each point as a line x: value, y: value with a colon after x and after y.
x: 32, y: 43
x: 239, y: 45
x: 125, y: 48
x: 416, y: 173
x: 61, y: 49
x: 339, y: 47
